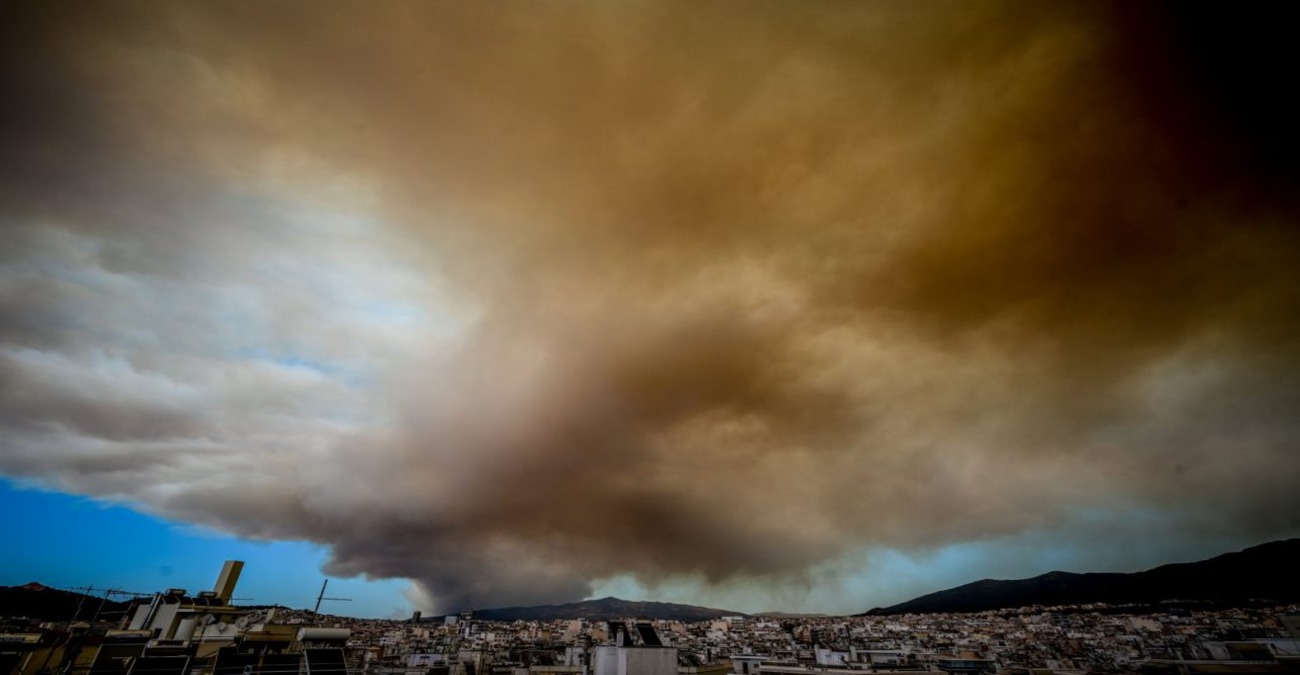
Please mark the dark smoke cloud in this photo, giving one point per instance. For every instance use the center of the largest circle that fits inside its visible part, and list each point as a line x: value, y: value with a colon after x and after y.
x: 510, y: 299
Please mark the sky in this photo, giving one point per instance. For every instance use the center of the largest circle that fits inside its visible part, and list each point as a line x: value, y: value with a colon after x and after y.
x: 808, y: 306
x: 74, y: 542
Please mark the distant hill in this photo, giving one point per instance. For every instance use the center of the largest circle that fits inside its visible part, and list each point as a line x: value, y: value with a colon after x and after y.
x: 36, y: 601
x: 1264, y: 572
x: 604, y: 608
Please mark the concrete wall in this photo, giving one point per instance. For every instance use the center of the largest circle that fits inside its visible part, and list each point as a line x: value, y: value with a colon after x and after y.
x: 604, y: 660
x: 164, y: 620
x: 647, y: 661
x: 612, y: 660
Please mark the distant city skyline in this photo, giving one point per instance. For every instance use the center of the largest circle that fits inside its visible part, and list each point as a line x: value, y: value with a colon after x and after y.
x: 800, y: 306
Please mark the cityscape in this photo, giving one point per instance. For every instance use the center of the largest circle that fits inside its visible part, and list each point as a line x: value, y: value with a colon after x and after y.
x: 176, y: 632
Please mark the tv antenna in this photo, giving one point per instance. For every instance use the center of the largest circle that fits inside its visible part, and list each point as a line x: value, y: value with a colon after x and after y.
x: 85, y: 591
x: 315, y: 612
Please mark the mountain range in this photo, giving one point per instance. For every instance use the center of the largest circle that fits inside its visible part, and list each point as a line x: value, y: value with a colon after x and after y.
x: 1261, y: 573
x: 1267, y: 572
x: 37, y: 601
x: 604, y: 608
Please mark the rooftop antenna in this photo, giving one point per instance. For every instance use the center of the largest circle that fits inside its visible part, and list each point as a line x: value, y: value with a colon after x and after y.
x: 315, y: 612
x: 85, y: 592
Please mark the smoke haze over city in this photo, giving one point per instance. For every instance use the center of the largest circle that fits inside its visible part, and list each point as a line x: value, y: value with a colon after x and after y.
x: 731, y: 302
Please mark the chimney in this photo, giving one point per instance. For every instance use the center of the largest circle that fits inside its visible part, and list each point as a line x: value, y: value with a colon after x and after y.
x: 225, y: 588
